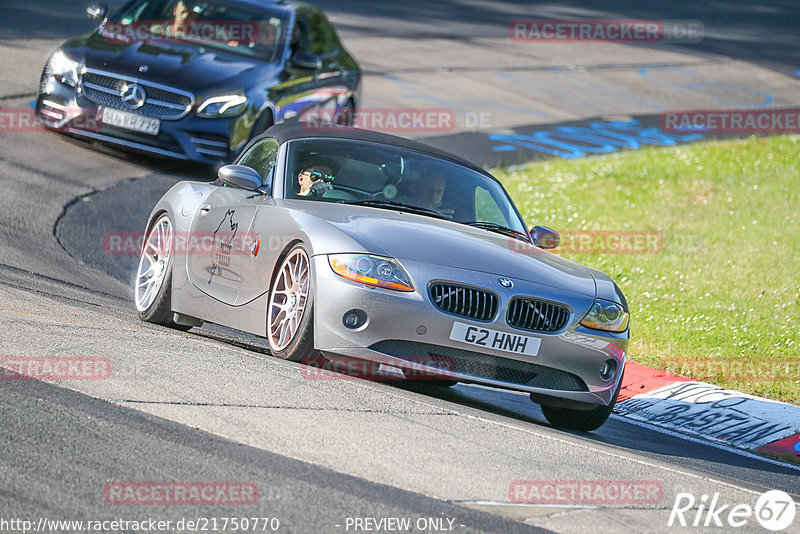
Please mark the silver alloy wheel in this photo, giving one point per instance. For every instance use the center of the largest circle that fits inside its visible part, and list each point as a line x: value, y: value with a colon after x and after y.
x: 153, y: 263
x: 288, y: 299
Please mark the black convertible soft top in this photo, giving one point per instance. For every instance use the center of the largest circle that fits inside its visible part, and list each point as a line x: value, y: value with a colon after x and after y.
x: 288, y: 131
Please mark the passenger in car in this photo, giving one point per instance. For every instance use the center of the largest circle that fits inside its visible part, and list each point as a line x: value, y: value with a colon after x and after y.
x: 429, y: 192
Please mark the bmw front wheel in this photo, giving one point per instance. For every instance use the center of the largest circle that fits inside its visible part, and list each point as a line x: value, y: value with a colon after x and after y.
x: 583, y: 420
x: 153, y: 290
x: 290, y: 329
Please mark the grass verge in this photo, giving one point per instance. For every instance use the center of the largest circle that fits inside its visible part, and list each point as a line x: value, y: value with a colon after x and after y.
x: 719, y: 299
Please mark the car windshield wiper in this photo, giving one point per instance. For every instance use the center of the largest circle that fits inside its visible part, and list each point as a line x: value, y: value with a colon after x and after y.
x: 399, y: 206
x: 500, y: 229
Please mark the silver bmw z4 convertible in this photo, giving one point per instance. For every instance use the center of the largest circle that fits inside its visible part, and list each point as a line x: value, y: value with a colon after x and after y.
x: 350, y: 245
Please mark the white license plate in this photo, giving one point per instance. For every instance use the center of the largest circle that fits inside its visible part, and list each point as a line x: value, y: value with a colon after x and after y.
x: 129, y: 121
x: 494, y: 339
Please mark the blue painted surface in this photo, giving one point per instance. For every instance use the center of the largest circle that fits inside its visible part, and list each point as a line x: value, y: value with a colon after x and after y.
x: 596, y: 138
x: 797, y: 445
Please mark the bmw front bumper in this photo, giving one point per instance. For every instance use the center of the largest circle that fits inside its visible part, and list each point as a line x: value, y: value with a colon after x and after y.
x: 408, y: 331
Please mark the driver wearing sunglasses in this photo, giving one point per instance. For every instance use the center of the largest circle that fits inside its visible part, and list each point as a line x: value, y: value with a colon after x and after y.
x: 315, y: 181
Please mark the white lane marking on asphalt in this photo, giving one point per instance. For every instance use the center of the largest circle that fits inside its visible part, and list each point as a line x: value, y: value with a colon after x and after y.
x: 529, y: 505
x: 654, y: 428
x: 608, y: 453
x: 746, y: 454
x: 365, y: 384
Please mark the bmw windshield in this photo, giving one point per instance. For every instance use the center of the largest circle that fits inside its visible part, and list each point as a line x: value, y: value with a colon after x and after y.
x: 389, y: 177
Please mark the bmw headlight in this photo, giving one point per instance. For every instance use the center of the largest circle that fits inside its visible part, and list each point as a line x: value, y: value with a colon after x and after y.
x: 64, y: 69
x: 371, y: 270
x: 222, y: 106
x: 606, y: 315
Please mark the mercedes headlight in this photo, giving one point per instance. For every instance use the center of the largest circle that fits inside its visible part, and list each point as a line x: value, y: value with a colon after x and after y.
x: 371, y: 270
x: 222, y: 106
x: 64, y: 69
x: 606, y: 315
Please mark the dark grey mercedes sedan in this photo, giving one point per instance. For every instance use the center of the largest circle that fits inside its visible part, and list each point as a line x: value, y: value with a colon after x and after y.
x: 196, y: 79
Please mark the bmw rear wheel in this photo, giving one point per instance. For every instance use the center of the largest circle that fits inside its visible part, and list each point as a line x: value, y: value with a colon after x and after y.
x: 290, y: 329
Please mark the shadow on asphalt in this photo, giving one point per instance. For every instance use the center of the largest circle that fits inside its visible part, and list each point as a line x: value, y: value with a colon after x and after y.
x: 517, y: 406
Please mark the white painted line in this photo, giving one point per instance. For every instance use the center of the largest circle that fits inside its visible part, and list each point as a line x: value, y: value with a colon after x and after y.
x: 604, y: 452
x: 528, y: 505
x: 369, y: 385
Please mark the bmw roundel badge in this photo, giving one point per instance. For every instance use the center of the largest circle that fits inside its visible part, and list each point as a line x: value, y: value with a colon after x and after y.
x: 505, y: 282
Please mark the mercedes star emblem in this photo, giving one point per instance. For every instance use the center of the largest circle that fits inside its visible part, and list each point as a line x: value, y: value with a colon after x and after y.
x: 133, y: 96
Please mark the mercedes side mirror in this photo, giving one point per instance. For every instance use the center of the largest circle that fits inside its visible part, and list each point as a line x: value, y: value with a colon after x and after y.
x: 240, y: 176
x: 304, y: 60
x: 544, y: 237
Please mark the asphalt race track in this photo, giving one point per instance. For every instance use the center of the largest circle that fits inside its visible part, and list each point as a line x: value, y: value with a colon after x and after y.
x: 212, y: 405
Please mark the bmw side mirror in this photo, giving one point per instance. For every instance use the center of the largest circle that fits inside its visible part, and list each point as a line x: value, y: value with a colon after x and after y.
x: 96, y: 11
x: 240, y: 176
x: 544, y: 237
x: 304, y: 60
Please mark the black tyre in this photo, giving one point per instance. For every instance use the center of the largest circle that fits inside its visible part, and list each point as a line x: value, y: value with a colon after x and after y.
x: 412, y: 377
x: 583, y: 420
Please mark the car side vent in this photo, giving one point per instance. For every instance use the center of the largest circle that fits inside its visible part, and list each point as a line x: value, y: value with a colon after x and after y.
x: 536, y: 315
x: 471, y: 302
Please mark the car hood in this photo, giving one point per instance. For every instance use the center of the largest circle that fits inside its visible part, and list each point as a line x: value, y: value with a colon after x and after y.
x: 432, y: 241
x: 184, y: 65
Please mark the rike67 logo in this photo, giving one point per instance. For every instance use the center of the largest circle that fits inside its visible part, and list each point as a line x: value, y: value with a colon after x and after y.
x: 774, y: 510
